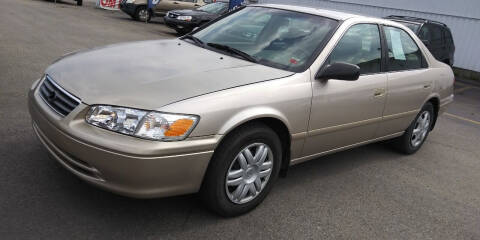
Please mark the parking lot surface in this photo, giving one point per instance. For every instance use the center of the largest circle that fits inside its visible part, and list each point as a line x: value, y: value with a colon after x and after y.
x: 370, y: 192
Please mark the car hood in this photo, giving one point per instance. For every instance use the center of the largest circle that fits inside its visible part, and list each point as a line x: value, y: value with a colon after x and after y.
x: 152, y: 74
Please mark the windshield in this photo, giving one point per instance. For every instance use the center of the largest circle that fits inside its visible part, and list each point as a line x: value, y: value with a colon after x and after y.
x: 278, y: 38
x: 215, y: 8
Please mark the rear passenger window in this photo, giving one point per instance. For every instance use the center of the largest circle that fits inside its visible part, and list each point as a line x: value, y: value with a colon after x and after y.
x: 437, y: 34
x: 448, y: 37
x: 425, y: 34
x: 403, y: 52
x: 360, y: 46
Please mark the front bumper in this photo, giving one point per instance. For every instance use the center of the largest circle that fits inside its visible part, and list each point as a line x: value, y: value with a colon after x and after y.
x: 179, y: 25
x: 122, y: 164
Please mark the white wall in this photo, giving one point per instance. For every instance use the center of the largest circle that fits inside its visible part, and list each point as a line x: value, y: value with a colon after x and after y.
x: 466, y: 8
x: 463, y: 18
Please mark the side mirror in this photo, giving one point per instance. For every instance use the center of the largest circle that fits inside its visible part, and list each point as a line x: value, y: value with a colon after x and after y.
x: 339, y: 71
x: 426, y: 42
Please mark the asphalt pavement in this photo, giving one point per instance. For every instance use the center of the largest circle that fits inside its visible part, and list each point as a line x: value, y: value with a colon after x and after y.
x: 370, y: 192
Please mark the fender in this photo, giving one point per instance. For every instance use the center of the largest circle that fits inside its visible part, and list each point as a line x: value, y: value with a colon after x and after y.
x: 251, y: 114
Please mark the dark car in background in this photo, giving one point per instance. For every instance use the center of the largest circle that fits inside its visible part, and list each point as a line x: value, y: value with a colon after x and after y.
x: 435, y: 35
x: 137, y: 9
x: 184, y: 21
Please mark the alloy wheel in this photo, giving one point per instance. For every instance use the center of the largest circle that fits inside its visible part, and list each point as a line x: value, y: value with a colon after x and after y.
x: 249, y: 173
x: 143, y: 15
x: 422, y: 126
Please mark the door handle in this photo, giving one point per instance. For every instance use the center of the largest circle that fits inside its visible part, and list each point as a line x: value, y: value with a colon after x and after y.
x: 197, y: 5
x: 175, y: 2
x: 379, y: 92
x: 427, y: 86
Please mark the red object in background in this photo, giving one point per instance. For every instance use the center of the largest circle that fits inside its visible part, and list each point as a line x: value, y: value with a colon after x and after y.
x: 115, y: 4
x: 293, y: 61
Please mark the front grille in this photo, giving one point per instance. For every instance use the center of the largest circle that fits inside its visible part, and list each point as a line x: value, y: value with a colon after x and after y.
x: 57, y: 98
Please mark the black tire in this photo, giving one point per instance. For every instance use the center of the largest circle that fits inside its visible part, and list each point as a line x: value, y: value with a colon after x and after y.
x: 79, y: 2
x: 213, y: 192
x: 139, y: 10
x: 404, y: 143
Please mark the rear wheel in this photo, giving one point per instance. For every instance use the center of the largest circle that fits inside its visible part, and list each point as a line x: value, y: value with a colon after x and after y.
x: 417, y: 132
x: 79, y: 2
x: 143, y: 14
x: 243, y: 170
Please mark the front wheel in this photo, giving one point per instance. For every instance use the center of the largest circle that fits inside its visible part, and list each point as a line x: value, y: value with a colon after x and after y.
x: 243, y: 170
x: 417, y: 132
x: 143, y: 14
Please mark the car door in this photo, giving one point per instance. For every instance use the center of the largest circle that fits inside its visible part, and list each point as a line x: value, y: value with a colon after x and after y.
x: 409, y: 81
x: 344, y: 113
x: 165, y: 5
x: 187, y: 4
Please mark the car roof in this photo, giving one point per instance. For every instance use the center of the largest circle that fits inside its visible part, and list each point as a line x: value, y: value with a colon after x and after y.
x: 333, y: 14
x: 414, y: 20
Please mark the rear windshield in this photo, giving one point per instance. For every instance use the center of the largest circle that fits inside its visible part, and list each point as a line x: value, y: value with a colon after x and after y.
x: 278, y: 38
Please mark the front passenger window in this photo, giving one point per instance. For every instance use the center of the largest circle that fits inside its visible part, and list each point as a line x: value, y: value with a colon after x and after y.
x: 360, y: 46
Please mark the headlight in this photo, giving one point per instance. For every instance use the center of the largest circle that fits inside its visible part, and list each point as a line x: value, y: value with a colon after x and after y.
x: 142, y: 124
x: 130, y: 1
x: 185, y: 18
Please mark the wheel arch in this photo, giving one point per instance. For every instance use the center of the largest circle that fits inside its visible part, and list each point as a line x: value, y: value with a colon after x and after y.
x: 276, y: 122
x: 435, y: 101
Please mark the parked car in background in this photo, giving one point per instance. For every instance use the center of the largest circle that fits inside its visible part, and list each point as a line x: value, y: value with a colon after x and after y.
x: 137, y: 9
x: 435, y: 35
x: 224, y: 110
x: 184, y: 21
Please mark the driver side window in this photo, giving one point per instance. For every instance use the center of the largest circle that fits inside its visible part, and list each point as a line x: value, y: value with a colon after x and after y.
x: 360, y: 46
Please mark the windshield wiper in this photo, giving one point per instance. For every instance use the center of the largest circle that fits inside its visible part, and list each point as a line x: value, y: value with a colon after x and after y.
x: 234, y: 51
x: 193, y: 38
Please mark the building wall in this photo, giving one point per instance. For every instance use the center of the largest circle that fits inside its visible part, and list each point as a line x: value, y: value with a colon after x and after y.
x: 463, y: 18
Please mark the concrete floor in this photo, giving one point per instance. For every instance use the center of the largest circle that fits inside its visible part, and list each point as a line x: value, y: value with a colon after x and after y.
x: 369, y: 192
